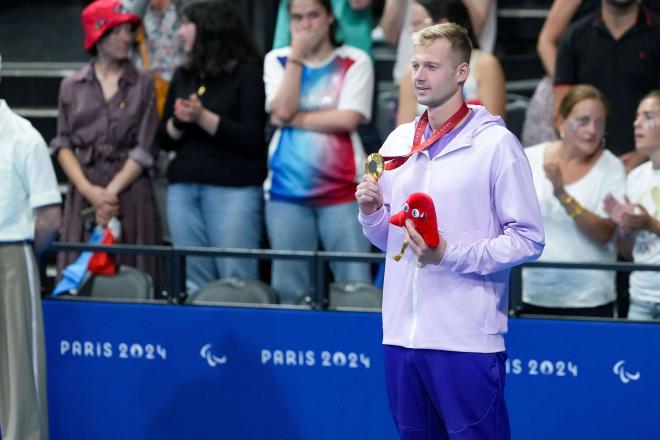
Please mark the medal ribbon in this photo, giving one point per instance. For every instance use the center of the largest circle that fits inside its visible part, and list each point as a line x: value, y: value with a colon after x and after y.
x: 393, y: 162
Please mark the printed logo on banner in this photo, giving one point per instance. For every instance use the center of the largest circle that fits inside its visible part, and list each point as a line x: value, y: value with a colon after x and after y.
x: 212, y: 359
x: 625, y: 376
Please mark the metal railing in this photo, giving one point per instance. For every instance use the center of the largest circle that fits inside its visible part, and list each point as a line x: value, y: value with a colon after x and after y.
x: 175, y: 264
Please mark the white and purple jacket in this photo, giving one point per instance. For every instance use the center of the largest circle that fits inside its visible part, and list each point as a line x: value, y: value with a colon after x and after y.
x: 489, y: 215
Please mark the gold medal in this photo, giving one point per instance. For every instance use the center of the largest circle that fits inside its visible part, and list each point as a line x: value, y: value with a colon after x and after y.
x: 374, y: 165
x: 201, y: 90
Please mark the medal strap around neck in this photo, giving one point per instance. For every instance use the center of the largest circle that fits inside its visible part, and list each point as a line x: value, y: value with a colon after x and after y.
x: 393, y: 162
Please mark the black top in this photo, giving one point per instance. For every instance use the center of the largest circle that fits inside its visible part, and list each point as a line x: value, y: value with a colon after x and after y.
x: 624, y: 70
x: 236, y: 154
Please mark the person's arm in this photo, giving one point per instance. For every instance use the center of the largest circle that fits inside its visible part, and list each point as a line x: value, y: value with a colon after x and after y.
x: 167, y: 134
x: 518, y: 212
x: 640, y: 220
x: 598, y: 229
x: 140, y: 157
x: 407, y: 110
x: 565, y: 71
x: 374, y: 212
x: 96, y: 195
x: 47, y: 225
x: 192, y: 111
x: 40, y: 183
x: 478, y: 11
x: 354, y: 103
x: 124, y: 177
x: 392, y: 20
x: 559, y: 17
x: 284, y: 104
x: 327, y: 121
x: 491, y: 85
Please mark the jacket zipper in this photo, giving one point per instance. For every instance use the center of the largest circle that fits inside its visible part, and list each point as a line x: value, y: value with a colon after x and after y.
x: 415, y: 286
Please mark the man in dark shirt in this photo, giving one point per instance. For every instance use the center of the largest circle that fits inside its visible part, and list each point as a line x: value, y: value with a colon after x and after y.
x: 617, y: 50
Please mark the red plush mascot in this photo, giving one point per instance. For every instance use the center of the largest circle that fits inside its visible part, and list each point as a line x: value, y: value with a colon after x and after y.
x: 419, y: 208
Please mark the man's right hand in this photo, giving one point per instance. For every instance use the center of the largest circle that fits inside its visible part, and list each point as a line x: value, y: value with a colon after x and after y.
x: 368, y: 195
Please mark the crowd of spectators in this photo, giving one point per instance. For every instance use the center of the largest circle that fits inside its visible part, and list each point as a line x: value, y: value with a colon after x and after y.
x: 254, y: 151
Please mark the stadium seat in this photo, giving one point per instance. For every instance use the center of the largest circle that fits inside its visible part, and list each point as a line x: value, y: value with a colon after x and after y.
x: 516, y: 108
x: 128, y: 283
x: 234, y: 290
x: 355, y: 295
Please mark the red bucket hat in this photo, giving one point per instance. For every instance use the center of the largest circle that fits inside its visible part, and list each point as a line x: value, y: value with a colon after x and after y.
x: 101, y: 16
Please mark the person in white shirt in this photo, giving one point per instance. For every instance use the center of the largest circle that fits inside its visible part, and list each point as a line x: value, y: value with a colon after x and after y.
x: 572, y: 176
x: 30, y: 216
x: 639, y: 216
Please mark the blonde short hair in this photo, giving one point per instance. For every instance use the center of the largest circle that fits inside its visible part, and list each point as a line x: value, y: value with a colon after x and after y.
x: 456, y: 35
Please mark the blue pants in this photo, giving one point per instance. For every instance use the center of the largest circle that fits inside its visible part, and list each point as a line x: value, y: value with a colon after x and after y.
x: 216, y: 216
x: 437, y: 394
x: 297, y: 227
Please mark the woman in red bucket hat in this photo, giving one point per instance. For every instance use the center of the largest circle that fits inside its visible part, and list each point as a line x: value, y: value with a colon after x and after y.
x: 106, y: 125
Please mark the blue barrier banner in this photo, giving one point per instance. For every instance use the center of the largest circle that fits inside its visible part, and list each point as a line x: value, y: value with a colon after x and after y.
x: 136, y: 371
x: 583, y: 379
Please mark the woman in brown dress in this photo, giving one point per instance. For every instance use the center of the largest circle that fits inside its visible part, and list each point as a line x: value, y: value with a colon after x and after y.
x: 105, y: 129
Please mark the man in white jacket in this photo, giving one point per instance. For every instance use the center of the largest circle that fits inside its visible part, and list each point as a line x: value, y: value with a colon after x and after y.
x: 443, y: 322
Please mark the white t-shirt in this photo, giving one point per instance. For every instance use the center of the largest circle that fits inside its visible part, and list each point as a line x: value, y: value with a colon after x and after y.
x: 27, y: 179
x: 313, y: 167
x: 565, y: 242
x: 643, y: 187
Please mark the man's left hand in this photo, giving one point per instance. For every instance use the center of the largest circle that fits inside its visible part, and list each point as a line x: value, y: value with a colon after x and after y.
x: 425, y: 254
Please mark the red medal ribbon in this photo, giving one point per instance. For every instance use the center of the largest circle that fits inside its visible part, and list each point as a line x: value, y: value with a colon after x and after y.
x: 393, y: 162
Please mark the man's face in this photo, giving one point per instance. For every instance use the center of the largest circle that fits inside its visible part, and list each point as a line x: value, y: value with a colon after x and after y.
x: 437, y: 75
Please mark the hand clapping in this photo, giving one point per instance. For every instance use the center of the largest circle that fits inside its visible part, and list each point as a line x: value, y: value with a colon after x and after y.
x: 188, y: 110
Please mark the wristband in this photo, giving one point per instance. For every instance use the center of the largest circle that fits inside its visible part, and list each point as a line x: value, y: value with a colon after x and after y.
x: 566, y: 201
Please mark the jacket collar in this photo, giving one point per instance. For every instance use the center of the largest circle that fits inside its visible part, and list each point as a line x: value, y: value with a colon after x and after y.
x: 86, y: 74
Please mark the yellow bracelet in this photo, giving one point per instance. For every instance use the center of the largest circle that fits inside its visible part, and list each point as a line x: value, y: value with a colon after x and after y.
x: 578, y: 208
x: 577, y: 211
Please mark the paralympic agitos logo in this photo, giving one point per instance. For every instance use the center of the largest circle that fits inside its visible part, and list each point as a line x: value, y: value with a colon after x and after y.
x: 624, y: 375
x: 212, y: 359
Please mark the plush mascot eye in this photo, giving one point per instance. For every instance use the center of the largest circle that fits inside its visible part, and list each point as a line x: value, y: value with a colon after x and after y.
x: 415, y: 213
x: 405, y: 207
x: 422, y: 215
